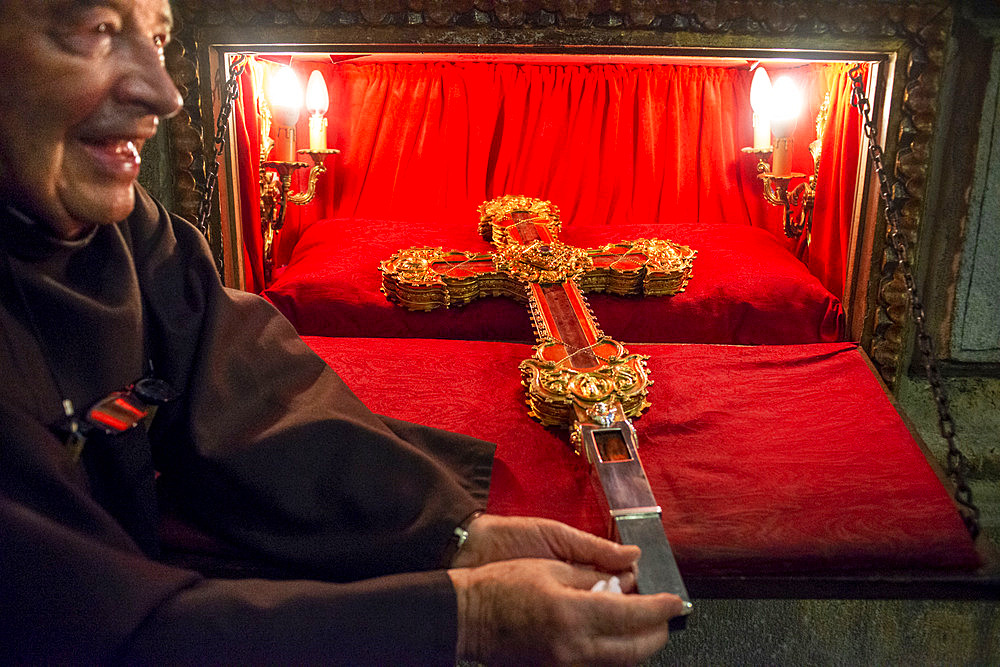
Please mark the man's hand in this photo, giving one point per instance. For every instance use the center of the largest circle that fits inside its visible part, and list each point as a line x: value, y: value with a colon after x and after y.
x: 543, y: 611
x: 495, y: 538
x: 524, y: 595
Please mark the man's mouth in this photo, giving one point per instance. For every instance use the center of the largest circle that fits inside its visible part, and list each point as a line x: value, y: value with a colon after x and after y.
x: 115, y: 157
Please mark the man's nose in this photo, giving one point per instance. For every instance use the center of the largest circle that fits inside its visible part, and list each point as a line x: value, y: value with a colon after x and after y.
x: 145, y: 82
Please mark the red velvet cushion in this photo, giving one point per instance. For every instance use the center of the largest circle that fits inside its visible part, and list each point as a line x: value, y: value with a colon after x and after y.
x: 745, y: 289
x: 764, y: 459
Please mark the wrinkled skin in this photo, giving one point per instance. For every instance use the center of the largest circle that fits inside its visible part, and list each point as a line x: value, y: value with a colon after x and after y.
x: 524, y: 596
x: 82, y: 89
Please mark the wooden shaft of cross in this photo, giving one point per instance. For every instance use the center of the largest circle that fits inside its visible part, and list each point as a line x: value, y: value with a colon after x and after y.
x: 581, y: 377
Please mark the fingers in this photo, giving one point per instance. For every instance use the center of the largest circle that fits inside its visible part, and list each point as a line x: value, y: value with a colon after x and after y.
x: 584, y: 578
x: 619, y: 629
x: 621, y: 615
x: 493, y: 538
x: 577, y: 546
x: 630, y: 649
x: 616, y: 612
x: 542, y: 610
x: 621, y: 636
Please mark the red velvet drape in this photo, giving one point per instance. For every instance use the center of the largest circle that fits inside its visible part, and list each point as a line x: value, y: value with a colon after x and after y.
x: 836, y: 183
x: 247, y: 148
x: 609, y: 143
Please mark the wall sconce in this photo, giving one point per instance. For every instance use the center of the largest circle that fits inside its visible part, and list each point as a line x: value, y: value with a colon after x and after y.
x: 775, y: 111
x: 284, y: 103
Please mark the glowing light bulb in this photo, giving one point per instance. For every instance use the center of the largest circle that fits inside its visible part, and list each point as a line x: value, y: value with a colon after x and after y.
x: 786, y: 104
x: 317, y: 97
x: 760, y: 102
x: 317, y: 101
x: 284, y: 97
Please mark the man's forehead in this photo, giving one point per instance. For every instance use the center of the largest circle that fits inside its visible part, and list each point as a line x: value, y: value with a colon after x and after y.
x: 155, y: 10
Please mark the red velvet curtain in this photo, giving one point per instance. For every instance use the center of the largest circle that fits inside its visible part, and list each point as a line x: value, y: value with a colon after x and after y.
x: 839, y: 169
x: 247, y: 148
x: 609, y: 143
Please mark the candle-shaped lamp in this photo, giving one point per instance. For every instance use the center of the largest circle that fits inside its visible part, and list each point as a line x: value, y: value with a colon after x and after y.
x: 284, y: 96
x: 760, y: 102
x: 317, y: 101
x: 785, y: 106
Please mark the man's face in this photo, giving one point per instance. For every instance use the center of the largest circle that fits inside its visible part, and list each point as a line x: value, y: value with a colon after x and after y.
x: 82, y: 85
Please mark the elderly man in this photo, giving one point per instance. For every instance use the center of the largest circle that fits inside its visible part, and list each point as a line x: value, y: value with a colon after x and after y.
x: 346, y: 537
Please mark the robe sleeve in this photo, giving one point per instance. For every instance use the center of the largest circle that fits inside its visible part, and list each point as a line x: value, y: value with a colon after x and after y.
x: 76, y: 590
x: 268, y: 448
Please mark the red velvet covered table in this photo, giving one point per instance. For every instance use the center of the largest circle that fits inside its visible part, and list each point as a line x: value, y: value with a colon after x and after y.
x: 766, y: 460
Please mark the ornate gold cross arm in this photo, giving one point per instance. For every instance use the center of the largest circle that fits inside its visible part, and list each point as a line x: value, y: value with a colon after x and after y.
x: 427, y: 278
x: 577, y: 377
x: 424, y: 278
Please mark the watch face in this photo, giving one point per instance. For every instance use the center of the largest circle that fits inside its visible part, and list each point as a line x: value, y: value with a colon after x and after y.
x: 154, y: 391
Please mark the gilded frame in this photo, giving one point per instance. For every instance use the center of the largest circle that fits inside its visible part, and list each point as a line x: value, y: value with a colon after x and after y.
x: 910, y: 36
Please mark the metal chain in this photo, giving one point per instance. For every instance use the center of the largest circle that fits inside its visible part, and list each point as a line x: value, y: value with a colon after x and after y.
x: 956, y: 463
x: 221, y: 130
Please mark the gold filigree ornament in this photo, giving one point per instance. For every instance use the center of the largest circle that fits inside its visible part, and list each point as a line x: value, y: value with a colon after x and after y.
x: 653, y: 267
x: 545, y: 263
x: 668, y: 266
x: 553, y: 387
x: 497, y: 214
x: 414, y: 265
x: 665, y: 256
x: 425, y: 278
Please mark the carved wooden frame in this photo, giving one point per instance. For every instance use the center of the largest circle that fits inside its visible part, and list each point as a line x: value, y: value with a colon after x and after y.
x: 911, y: 34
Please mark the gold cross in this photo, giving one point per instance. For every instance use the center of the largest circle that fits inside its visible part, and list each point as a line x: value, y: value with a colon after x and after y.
x: 575, y: 366
x: 578, y: 376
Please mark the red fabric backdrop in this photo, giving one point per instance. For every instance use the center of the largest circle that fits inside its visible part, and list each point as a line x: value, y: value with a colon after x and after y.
x: 837, y: 181
x: 247, y: 131
x: 609, y: 143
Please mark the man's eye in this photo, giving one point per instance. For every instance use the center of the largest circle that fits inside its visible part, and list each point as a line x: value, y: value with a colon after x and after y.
x: 105, y: 26
x: 91, y: 35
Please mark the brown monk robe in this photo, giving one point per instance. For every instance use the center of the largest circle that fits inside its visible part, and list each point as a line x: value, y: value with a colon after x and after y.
x: 265, y: 449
